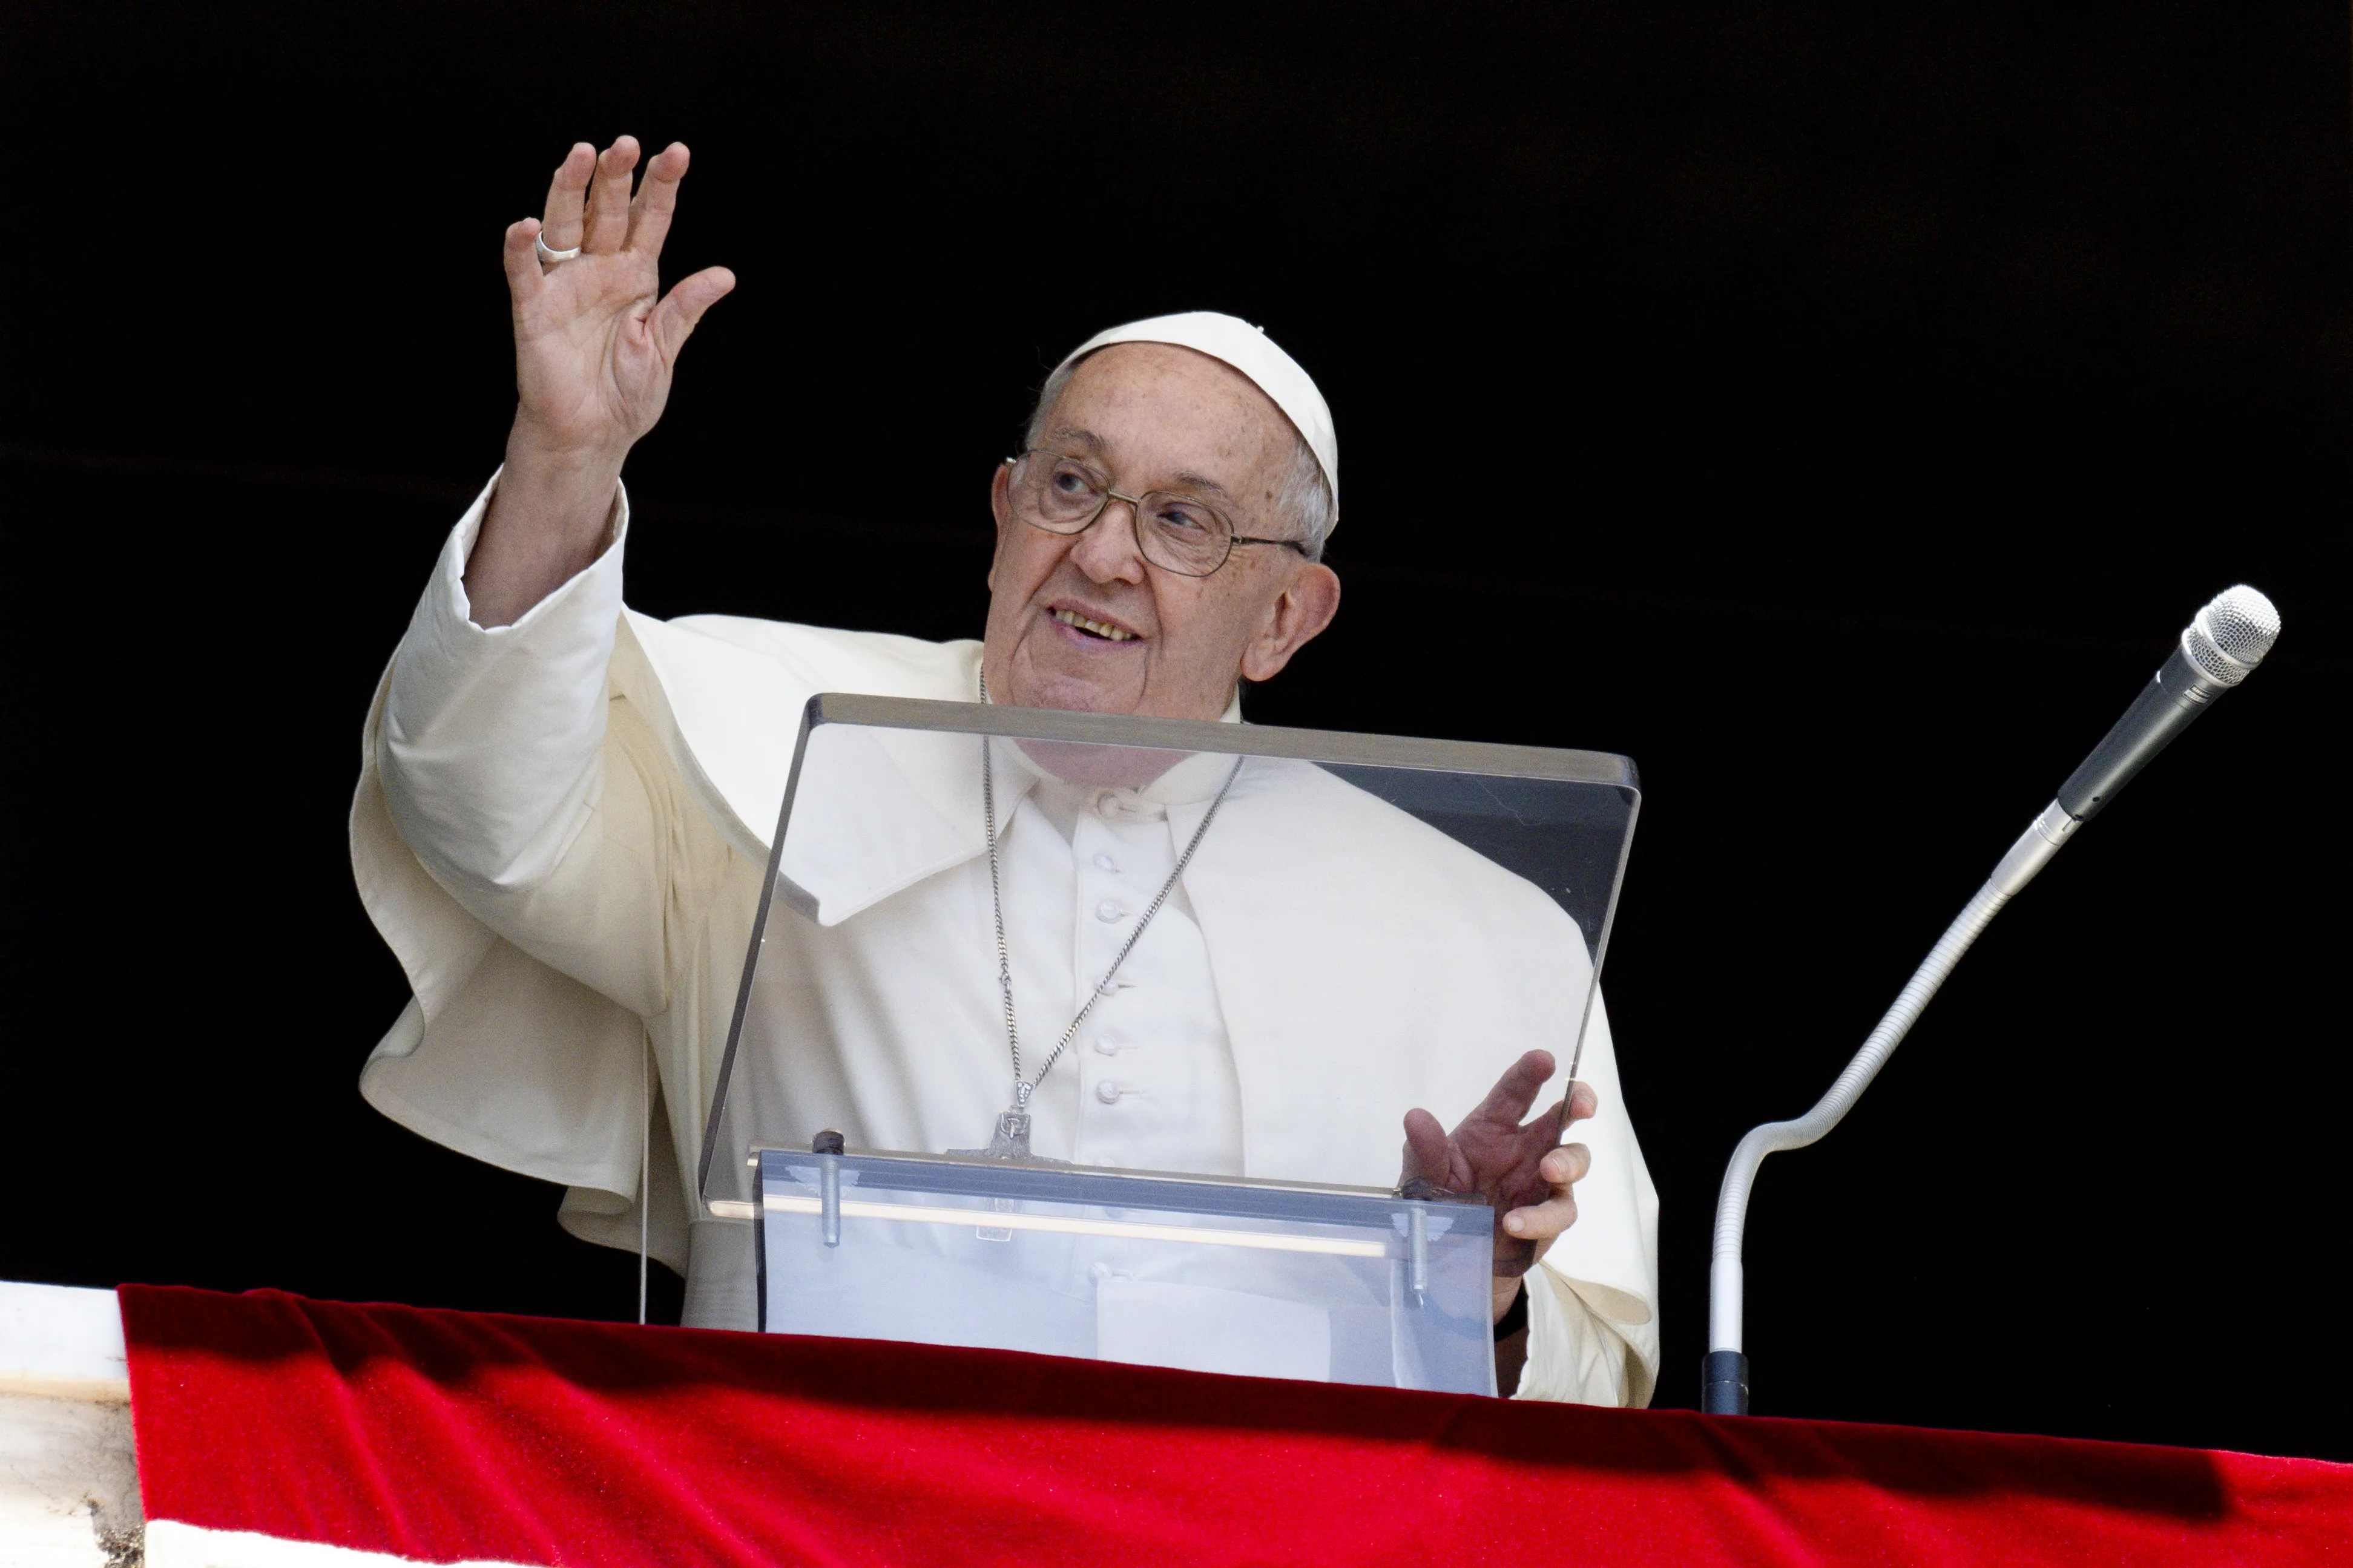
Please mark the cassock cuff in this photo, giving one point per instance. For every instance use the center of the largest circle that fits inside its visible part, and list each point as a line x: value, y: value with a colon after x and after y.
x: 599, y: 579
x: 1573, y: 1356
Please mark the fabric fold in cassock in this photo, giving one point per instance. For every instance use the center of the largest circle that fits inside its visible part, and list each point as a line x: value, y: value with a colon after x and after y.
x: 570, y: 855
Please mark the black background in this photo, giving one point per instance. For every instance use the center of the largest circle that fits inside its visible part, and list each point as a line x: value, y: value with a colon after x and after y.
x: 1836, y: 409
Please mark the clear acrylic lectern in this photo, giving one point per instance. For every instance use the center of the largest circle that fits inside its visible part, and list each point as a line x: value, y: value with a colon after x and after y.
x: 1227, y: 959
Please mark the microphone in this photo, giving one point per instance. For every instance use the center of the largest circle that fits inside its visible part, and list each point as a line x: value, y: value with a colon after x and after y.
x: 2219, y: 649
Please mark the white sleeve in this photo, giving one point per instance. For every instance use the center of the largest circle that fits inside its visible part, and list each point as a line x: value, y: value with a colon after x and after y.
x: 493, y: 741
x: 499, y: 1055
x: 1573, y: 1357
x: 525, y: 844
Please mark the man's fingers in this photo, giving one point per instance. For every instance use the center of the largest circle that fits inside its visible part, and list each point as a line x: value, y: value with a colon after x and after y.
x: 1517, y: 1089
x: 657, y: 199
x: 560, y: 219
x: 525, y: 277
x: 608, y: 198
x: 1562, y: 1169
x: 1582, y: 1103
x: 1424, y: 1146
x: 675, y: 318
x: 1544, y: 1221
x: 1566, y: 1165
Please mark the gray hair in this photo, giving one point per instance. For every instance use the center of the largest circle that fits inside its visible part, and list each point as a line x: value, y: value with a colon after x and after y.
x: 1302, y: 498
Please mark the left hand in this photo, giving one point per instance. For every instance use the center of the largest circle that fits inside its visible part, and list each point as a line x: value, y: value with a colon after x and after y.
x: 1523, y: 1170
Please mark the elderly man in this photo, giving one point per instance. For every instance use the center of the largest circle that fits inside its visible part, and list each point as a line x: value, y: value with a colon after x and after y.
x: 561, y: 824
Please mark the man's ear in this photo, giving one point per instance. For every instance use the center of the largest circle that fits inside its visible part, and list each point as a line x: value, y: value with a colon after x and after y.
x: 1303, y: 608
x: 1000, y: 506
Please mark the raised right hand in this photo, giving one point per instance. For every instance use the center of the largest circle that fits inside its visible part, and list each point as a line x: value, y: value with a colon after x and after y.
x: 596, y: 344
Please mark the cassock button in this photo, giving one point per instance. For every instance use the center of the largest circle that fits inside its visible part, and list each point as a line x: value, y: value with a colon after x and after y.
x: 1109, y: 910
x: 1108, y: 1093
x: 1105, y: 863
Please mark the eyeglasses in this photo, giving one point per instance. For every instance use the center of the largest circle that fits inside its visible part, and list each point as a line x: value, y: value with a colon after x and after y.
x: 1179, y: 533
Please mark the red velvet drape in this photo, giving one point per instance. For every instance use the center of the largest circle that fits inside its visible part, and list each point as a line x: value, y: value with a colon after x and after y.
x: 447, y: 1436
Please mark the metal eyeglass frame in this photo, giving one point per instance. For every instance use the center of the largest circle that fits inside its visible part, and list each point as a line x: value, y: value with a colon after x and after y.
x: 1136, y: 516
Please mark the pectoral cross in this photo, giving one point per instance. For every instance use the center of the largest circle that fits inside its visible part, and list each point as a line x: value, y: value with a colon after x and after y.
x: 1011, y: 1140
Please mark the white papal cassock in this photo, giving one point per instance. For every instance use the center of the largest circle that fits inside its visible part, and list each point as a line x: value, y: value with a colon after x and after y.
x: 561, y: 828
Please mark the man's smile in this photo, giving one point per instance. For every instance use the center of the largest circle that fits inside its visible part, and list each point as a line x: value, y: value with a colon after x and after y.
x: 1091, y: 629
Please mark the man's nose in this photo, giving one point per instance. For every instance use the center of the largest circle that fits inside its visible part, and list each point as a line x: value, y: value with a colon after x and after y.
x: 1106, y: 551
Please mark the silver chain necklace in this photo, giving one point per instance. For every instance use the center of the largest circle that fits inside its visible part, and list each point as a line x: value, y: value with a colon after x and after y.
x: 1011, y: 1140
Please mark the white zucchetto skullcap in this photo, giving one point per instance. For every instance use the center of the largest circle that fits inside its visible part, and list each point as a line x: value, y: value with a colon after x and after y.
x: 1248, y: 349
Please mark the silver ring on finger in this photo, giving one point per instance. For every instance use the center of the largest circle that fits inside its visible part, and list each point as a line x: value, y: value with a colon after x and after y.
x: 552, y: 257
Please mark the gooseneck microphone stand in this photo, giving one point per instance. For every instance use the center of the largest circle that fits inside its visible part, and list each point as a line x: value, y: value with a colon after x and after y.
x: 2218, y: 650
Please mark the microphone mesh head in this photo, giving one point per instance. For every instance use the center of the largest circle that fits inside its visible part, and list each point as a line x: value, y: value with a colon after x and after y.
x: 2229, y: 636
